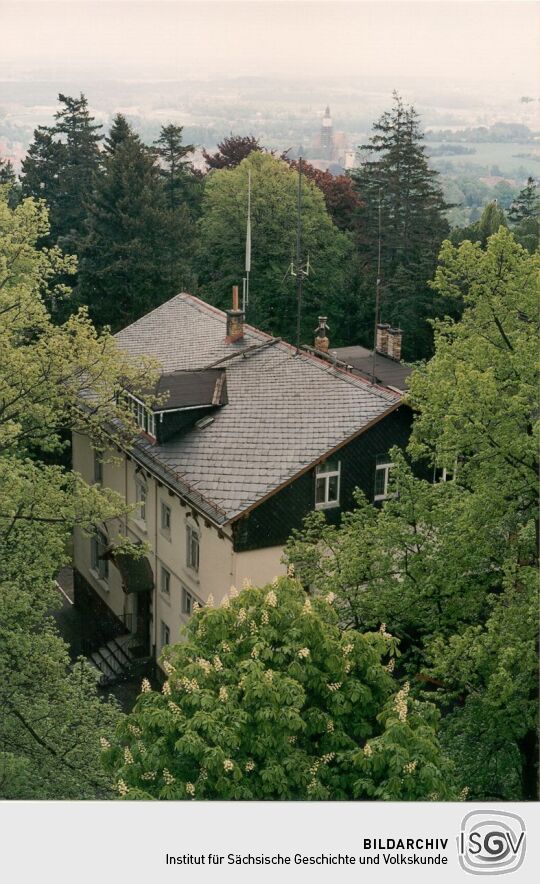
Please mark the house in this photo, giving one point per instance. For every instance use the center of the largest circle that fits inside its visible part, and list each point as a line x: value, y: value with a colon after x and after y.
x: 249, y: 435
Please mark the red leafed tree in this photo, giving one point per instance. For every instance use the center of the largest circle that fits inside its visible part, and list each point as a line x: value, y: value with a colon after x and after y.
x: 340, y: 197
x: 231, y: 151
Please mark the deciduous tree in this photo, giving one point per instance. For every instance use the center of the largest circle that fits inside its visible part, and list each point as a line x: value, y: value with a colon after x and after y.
x: 221, y: 258
x: 52, y: 717
x: 268, y: 699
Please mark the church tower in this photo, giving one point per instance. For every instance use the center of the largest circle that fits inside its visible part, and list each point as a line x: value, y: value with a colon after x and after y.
x: 327, y: 136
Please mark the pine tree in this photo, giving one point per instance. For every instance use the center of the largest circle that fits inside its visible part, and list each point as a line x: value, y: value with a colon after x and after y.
x: 396, y: 175
x: 127, y: 264
x: 119, y: 132
x: 524, y: 215
x: 9, y: 179
x: 61, y: 166
x: 42, y: 171
x: 179, y: 178
x: 526, y: 204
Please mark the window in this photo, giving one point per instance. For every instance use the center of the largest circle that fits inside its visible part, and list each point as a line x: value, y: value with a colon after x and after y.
x: 188, y: 600
x: 98, y: 548
x: 98, y: 468
x: 140, y: 497
x: 165, y: 581
x: 144, y: 417
x: 165, y: 634
x: 327, y: 481
x: 165, y: 518
x: 382, y: 475
x: 192, y: 547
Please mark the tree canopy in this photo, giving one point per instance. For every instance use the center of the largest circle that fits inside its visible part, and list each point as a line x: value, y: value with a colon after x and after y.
x: 268, y: 699
x: 395, y: 179
x: 52, y: 716
x: 134, y: 252
x: 231, y: 151
x: 221, y: 257
x: 451, y: 567
x: 61, y: 166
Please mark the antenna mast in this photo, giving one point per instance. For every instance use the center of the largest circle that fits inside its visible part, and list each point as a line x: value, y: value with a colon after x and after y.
x: 299, y: 269
x: 245, y: 281
x: 377, y: 293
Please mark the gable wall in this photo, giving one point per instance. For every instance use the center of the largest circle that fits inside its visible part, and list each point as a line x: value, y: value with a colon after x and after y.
x: 271, y: 523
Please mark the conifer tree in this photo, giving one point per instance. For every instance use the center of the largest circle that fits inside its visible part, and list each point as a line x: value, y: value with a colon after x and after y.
x: 179, y: 179
x: 396, y: 175
x: 524, y: 215
x: 61, y: 166
x: 9, y: 179
x: 127, y: 264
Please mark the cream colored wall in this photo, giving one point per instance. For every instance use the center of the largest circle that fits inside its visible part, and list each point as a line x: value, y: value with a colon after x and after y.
x: 219, y: 566
x: 216, y: 559
x: 259, y: 566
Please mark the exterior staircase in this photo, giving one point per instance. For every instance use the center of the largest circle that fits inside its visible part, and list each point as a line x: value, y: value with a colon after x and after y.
x: 115, y: 661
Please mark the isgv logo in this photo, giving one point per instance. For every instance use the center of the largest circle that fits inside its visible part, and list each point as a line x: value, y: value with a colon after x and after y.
x: 491, y: 842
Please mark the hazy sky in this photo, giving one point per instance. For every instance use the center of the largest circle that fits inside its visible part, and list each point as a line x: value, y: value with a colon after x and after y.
x: 476, y: 41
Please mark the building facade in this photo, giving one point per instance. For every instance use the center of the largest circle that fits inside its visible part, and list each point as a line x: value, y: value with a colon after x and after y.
x: 250, y: 436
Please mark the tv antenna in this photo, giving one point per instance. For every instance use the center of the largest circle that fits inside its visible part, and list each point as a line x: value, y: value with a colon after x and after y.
x: 297, y: 268
x: 377, y: 290
x: 245, y: 280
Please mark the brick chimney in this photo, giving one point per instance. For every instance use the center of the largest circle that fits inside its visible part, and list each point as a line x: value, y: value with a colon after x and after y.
x: 321, y: 338
x: 395, y: 336
x: 382, y: 338
x: 235, y: 320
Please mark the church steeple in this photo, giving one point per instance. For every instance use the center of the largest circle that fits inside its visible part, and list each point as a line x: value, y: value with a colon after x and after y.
x: 327, y: 135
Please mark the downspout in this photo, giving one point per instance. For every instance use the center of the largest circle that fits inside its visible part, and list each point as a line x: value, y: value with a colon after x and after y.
x: 154, y: 600
x: 126, y: 597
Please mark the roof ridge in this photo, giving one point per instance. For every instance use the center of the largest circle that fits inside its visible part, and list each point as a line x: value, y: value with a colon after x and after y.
x: 342, y: 374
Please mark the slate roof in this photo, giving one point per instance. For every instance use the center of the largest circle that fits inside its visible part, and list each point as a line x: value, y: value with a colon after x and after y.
x: 387, y: 371
x: 285, y: 410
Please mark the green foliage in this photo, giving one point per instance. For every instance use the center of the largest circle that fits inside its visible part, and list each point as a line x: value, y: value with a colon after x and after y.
x: 452, y: 567
x: 269, y: 699
x: 52, y: 716
x: 396, y: 176
x: 8, y: 179
x: 134, y: 253
x: 491, y: 219
x: 221, y: 256
x: 524, y: 215
x: 61, y: 166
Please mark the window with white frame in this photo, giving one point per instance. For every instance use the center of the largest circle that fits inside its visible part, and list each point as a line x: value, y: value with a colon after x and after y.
x: 192, y: 556
x: 327, y: 482
x: 98, y: 548
x: 143, y: 415
x: 165, y: 519
x: 164, y: 634
x: 382, y: 477
x: 165, y: 581
x: 188, y: 601
x: 141, y: 495
x: 98, y: 468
